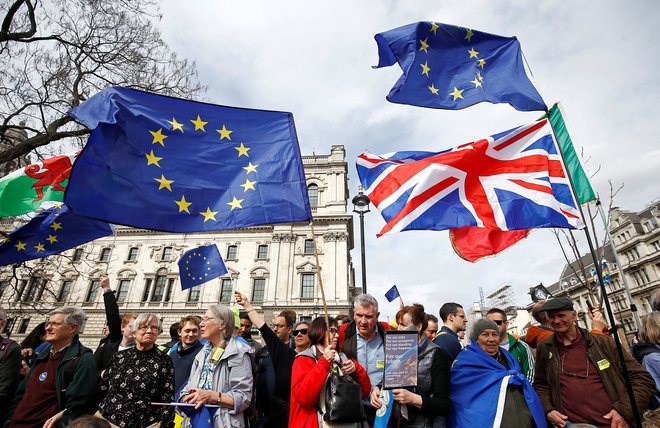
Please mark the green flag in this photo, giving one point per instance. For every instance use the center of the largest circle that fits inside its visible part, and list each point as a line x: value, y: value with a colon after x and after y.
x: 583, y: 189
x: 24, y: 190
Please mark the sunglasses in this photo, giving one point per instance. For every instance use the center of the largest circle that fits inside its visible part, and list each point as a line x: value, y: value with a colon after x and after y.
x: 302, y: 331
x: 498, y: 322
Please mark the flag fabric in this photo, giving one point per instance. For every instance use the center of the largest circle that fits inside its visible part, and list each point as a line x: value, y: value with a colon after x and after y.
x: 539, y: 293
x: 605, y: 272
x: 450, y: 67
x: 26, y: 189
x: 383, y: 414
x: 474, y: 243
x: 200, y: 265
x: 510, y: 181
x: 392, y: 293
x: 50, y: 232
x: 175, y: 165
x: 200, y: 418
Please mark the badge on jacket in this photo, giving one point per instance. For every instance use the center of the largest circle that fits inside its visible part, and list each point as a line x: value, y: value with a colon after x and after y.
x: 603, y: 364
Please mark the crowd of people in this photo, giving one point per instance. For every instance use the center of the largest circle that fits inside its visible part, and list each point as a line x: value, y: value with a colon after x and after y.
x: 559, y: 374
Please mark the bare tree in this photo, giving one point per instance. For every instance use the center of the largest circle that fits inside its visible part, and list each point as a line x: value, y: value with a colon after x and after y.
x: 57, y: 53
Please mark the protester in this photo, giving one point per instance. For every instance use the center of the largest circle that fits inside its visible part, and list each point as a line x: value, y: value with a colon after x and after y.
x: 428, y: 402
x: 281, y: 358
x: 574, y: 364
x: 282, y: 327
x: 517, y: 348
x: 488, y: 387
x: 61, y: 384
x: 300, y: 336
x: 310, y: 372
x: 245, y: 331
x: 174, y: 337
x: 342, y: 319
x: 183, y: 353
x: 222, y: 371
x: 10, y: 368
x: 647, y: 351
x: 432, y: 327
x: 31, y: 346
x: 453, y: 317
x: 363, y: 340
x: 136, y: 377
x: 536, y: 333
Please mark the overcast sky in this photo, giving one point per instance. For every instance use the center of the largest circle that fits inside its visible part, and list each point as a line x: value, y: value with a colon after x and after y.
x: 599, y: 58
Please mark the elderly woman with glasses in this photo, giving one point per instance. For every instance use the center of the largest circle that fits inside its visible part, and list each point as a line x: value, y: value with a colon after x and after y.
x: 311, y: 369
x: 222, y: 371
x: 137, y: 377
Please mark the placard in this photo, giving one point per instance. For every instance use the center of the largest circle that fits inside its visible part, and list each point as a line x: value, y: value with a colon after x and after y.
x: 400, y: 359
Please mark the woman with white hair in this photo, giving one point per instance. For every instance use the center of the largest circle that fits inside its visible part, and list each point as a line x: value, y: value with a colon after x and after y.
x: 137, y: 377
x: 222, y: 371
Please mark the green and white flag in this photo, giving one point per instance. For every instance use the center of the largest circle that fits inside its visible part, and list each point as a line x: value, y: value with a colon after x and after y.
x: 26, y: 189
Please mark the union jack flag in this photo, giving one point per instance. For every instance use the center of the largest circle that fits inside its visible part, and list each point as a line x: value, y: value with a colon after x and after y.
x: 509, y: 181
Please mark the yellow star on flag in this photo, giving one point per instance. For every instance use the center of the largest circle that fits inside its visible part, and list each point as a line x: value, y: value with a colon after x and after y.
x: 208, y: 214
x: 224, y: 133
x: 51, y: 238
x: 176, y: 126
x: 473, y: 53
x: 458, y: 93
x: 5, y: 239
x: 235, y: 203
x: 164, y: 183
x: 56, y: 225
x: 242, y: 150
x: 152, y: 159
x: 479, y: 76
x: 425, y: 45
x: 481, y: 63
x: 20, y: 246
x: 468, y: 34
x: 425, y: 68
x: 433, y: 89
x: 158, y: 137
x: 39, y: 247
x: 59, y: 206
x: 199, y: 124
x: 434, y: 28
x: 183, y: 204
x: 476, y: 82
x: 248, y: 185
x: 250, y: 168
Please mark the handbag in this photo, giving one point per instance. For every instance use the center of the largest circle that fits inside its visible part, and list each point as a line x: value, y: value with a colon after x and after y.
x: 343, y: 399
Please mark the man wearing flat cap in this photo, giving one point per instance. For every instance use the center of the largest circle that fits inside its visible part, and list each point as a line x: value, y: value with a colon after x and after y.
x: 579, y: 377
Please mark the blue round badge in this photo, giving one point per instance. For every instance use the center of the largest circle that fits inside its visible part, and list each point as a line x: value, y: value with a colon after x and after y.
x: 42, y: 376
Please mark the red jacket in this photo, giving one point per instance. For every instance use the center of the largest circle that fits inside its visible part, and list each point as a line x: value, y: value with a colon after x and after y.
x: 307, y: 378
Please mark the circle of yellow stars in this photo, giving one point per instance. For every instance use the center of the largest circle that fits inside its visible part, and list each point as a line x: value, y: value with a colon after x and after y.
x: 40, y: 246
x: 457, y: 93
x: 208, y: 267
x: 199, y: 124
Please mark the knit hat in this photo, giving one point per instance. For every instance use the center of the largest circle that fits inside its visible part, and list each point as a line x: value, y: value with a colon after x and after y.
x: 481, y: 325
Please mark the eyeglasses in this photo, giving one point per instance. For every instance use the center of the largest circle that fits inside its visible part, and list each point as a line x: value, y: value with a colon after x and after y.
x: 432, y: 331
x: 207, y: 320
x: 53, y: 324
x: 302, y: 331
x: 334, y: 330
x: 278, y: 326
x: 498, y: 322
x: 148, y: 327
x: 579, y: 376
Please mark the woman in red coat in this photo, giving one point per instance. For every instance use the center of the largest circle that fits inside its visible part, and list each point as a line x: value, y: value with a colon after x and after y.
x: 310, y: 371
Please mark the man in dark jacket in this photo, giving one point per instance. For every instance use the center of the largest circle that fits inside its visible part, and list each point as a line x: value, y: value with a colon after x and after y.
x: 454, y: 321
x: 579, y: 376
x: 61, y: 384
x: 10, y: 367
x: 183, y: 353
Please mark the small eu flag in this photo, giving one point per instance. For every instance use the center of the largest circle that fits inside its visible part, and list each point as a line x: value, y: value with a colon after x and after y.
x: 449, y: 67
x: 200, y: 265
x: 50, y: 232
x: 392, y: 293
x: 174, y: 165
x: 202, y: 418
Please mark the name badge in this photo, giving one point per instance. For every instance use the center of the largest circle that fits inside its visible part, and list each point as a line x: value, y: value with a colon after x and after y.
x: 380, y: 364
x: 43, y: 376
x: 603, y: 364
x: 215, y: 357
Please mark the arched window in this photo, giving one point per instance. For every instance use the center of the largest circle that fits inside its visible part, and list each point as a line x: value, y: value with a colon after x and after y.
x: 313, y: 191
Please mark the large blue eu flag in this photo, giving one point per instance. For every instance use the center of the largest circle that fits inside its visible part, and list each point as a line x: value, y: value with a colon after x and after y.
x: 175, y: 165
x: 200, y: 265
x: 449, y: 67
x: 51, y: 232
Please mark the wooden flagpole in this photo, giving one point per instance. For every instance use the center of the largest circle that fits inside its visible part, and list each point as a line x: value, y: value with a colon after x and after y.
x: 318, y: 274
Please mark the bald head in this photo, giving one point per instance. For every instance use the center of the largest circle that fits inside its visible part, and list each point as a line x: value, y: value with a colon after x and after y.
x: 539, y: 314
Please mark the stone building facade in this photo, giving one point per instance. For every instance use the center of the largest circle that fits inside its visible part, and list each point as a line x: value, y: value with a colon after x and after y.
x: 273, y: 265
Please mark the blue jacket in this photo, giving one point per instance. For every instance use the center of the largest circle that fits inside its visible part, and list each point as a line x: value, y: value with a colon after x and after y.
x: 447, y: 340
x: 182, y: 359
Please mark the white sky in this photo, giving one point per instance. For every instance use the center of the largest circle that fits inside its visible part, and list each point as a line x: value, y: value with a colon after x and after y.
x: 599, y: 58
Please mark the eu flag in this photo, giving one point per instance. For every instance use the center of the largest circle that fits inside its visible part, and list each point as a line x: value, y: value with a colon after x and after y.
x: 449, y: 67
x: 392, y: 293
x: 175, y: 165
x: 50, y: 232
x: 200, y: 265
x: 200, y: 418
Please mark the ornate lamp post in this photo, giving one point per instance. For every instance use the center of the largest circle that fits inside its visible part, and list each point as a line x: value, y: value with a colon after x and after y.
x: 361, y: 207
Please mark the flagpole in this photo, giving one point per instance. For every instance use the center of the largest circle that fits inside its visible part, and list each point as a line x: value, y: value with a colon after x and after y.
x: 613, y: 329
x: 318, y: 272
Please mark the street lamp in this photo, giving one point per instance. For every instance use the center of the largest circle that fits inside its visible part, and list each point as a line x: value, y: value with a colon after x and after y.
x: 361, y: 206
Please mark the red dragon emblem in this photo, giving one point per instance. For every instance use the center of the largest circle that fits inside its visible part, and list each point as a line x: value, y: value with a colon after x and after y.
x: 53, y: 172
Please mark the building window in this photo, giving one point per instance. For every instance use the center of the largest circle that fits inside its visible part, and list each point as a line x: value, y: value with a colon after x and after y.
x: 225, y: 290
x: 22, y: 328
x: 63, y: 295
x: 170, y: 288
x: 307, y: 283
x: 77, y: 254
x: 159, y: 288
x: 93, y: 291
x: 122, y: 290
x: 193, y: 296
x: 313, y: 192
x: 147, y: 289
x: 167, y: 254
x: 34, y: 290
x: 262, y: 251
x: 258, y: 289
x: 21, y: 288
x: 8, y: 327
x: 309, y: 246
x: 656, y: 245
x: 105, y: 255
x: 132, y: 254
x: 232, y: 252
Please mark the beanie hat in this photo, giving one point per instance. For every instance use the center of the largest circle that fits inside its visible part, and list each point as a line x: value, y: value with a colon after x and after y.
x: 481, y: 325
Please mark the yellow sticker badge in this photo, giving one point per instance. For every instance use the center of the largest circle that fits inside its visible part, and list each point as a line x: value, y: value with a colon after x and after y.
x: 603, y: 364
x: 380, y: 364
x: 549, y: 355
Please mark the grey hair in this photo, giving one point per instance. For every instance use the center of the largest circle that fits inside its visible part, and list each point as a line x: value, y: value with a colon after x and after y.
x: 145, y: 319
x: 72, y: 315
x: 365, y: 300
x: 226, y: 315
x: 3, y: 314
